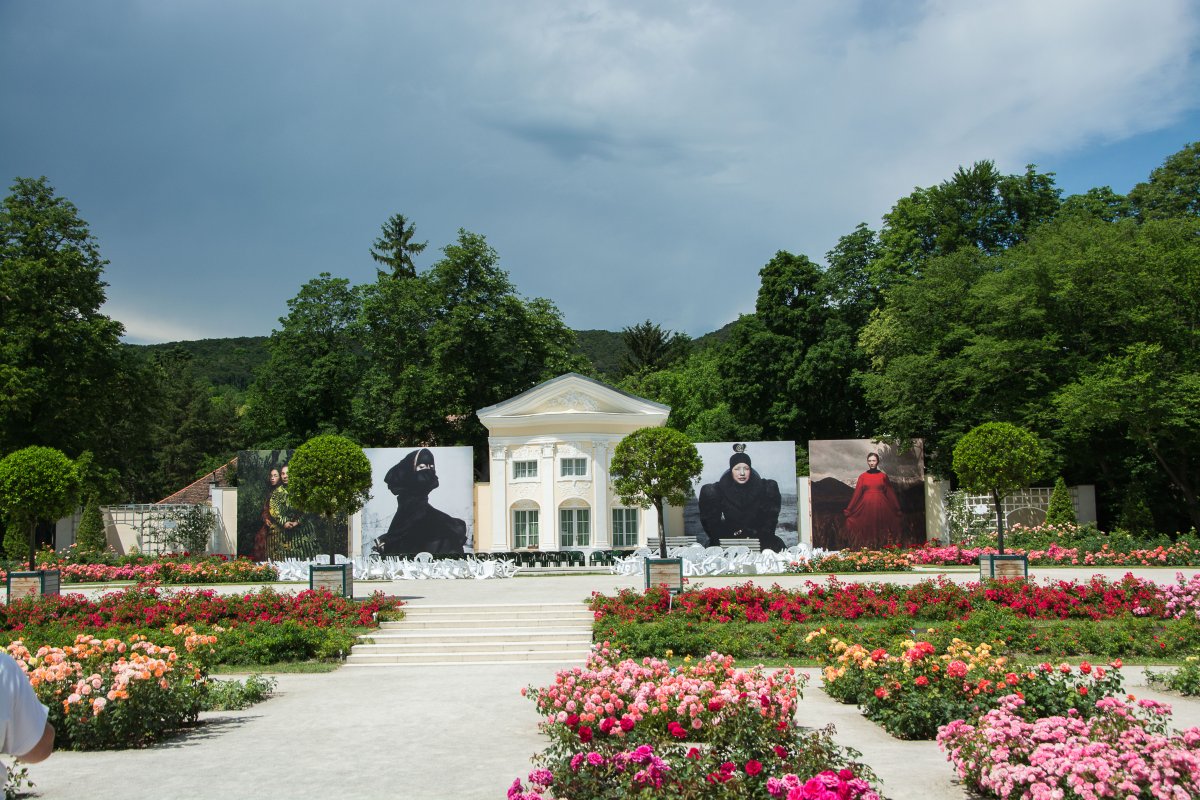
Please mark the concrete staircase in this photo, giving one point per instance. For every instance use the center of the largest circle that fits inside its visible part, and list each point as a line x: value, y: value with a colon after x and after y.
x: 539, y: 633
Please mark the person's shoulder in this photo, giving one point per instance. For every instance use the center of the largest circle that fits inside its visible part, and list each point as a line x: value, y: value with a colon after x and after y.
x: 447, y: 519
x: 10, y: 670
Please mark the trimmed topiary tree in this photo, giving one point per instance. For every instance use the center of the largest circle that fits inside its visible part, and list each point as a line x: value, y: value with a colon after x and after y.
x: 1061, y: 510
x: 90, y: 537
x: 331, y: 476
x: 654, y: 466
x: 997, y: 459
x: 37, y: 484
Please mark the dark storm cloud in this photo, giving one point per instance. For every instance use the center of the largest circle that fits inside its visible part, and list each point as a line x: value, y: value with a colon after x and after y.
x: 627, y: 160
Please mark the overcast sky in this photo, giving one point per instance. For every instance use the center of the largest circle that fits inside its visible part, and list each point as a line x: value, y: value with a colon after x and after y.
x: 628, y: 160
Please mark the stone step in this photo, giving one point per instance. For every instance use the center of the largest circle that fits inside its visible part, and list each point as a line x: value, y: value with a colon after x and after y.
x: 571, y: 655
x: 487, y: 634
x: 567, y: 660
x: 489, y: 622
x: 513, y: 608
x: 578, y: 644
x: 550, y: 633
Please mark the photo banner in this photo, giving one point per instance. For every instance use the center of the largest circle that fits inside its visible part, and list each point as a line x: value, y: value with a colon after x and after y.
x: 269, y: 527
x: 422, y: 500
x: 746, y: 490
x: 866, y: 494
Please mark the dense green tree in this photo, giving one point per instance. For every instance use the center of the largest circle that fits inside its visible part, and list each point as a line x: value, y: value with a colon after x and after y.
x: 695, y: 392
x: 57, y: 350
x: 649, y: 347
x: 192, y: 427
x: 395, y: 247
x: 764, y: 364
x: 1172, y: 190
x: 997, y: 459
x: 1101, y: 204
x: 977, y: 208
x: 448, y: 342
x: 308, y: 384
x: 654, y: 467
x: 126, y: 444
x: 1152, y: 397
x: 37, y: 484
x: 330, y: 476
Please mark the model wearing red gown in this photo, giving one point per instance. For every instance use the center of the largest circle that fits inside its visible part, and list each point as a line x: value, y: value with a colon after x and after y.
x: 873, y: 513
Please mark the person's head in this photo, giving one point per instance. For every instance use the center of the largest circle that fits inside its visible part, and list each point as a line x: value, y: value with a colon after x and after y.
x: 739, y: 464
x: 872, y: 461
x: 283, y: 474
x: 416, y: 472
x: 273, y: 478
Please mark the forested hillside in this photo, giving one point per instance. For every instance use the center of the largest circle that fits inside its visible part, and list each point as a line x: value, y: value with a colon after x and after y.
x: 222, y: 362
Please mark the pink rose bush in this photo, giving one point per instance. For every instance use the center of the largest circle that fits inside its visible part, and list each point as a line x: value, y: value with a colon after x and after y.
x: 1120, y: 750
x: 827, y: 785
x: 642, y: 728
x: 649, y: 701
x: 1180, y: 599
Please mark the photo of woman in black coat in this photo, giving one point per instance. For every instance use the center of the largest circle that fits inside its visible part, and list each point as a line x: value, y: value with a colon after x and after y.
x: 741, y: 505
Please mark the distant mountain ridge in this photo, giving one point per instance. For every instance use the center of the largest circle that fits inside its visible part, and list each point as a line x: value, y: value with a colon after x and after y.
x: 232, y: 361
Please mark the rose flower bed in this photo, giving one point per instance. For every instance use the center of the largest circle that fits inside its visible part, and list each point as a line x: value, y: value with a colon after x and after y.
x: 118, y: 693
x: 258, y: 627
x: 889, y: 559
x: 1102, y: 618
x: 628, y: 728
x: 82, y: 567
x: 1180, y: 554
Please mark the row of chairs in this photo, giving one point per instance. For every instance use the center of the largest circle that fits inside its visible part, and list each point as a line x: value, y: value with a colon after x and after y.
x: 422, y: 566
x: 738, y: 559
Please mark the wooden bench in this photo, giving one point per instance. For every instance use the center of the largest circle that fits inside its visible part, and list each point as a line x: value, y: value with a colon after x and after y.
x: 672, y: 542
x: 754, y: 545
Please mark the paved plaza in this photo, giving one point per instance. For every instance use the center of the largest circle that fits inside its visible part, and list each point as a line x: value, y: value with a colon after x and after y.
x: 450, y: 732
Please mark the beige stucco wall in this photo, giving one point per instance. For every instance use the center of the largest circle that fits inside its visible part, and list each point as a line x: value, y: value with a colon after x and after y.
x: 483, y: 517
x: 935, y: 508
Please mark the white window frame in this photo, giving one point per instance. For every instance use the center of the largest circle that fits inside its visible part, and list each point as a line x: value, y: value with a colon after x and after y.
x: 525, y: 527
x: 530, y: 466
x: 574, y: 461
x: 620, y: 526
x: 570, y: 520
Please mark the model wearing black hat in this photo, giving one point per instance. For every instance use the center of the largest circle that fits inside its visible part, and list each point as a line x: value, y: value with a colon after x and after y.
x: 741, y: 505
x: 417, y: 526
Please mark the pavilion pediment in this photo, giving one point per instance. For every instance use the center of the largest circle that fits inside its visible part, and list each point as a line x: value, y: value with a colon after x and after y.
x: 572, y: 398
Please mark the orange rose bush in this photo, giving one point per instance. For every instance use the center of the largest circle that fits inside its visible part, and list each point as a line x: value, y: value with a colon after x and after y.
x: 118, y: 693
x: 913, y: 692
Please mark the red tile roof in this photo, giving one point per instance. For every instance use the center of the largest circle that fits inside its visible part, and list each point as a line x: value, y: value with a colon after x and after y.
x: 196, y: 493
